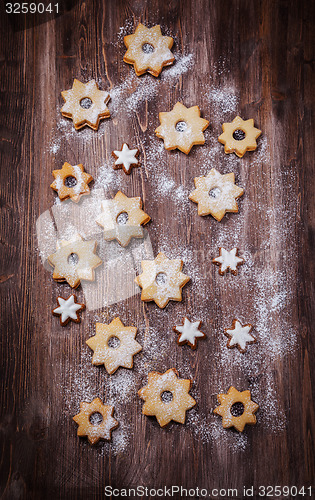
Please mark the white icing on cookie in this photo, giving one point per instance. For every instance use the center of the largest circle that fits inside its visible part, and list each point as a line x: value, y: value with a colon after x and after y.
x: 228, y: 259
x: 240, y: 335
x: 126, y: 157
x: 67, y: 308
x: 189, y: 331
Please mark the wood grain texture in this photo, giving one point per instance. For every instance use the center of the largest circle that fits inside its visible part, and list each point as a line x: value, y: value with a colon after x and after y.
x: 263, y: 51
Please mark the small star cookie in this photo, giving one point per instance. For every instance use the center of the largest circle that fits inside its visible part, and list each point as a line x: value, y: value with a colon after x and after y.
x: 166, y: 397
x: 114, y: 345
x: 161, y: 280
x: 181, y: 128
x: 85, y: 104
x: 122, y: 219
x: 148, y: 50
x: 189, y: 333
x: 74, y: 260
x: 126, y: 158
x: 68, y: 309
x: 228, y: 260
x: 226, y: 410
x: 71, y: 182
x: 216, y: 194
x: 95, y: 420
x: 239, y: 336
x: 239, y: 136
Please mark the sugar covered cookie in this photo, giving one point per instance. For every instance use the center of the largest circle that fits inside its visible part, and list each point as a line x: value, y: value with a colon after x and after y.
x: 236, y: 409
x: 71, y: 182
x: 239, y: 136
x: 95, y: 421
x: 167, y: 397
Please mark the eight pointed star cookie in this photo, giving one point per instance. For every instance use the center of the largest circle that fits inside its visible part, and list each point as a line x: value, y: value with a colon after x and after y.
x: 126, y: 158
x: 103, y: 417
x: 228, y: 260
x: 85, y: 104
x: 148, y: 50
x: 68, y: 309
x: 71, y: 182
x: 181, y: 128
x: 113, y: 357
x: 121, y: 218
x: 239, y: 136
x: 189, y: 333
x: 216, y: 194
x: 74, y: 260
x: 161, y: 405
x: 225, y: 410
x: 239, y: 336
x: 162, y: 280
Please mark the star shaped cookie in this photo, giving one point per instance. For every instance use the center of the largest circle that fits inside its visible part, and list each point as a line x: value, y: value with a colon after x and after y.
x: 216, y: 194
x: 161, y: 280
x: 74, y: 260
x: 239, y: 136
x: 225, y: 410
x: 95, y: 421
x: 239, y: 336
x: 181, y: 128
x: 189, y: 333
x: 71, y: 182
x: 148, y: 50
x: 85, y: 104
x: 166, y: 397
x: 228, y: 260
x: 126, y: 158
x: 114, y: 345
x: 68, y: 310
x: 122, y: 218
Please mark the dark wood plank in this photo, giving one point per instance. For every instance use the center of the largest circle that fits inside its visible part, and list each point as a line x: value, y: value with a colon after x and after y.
x: 249, y: 58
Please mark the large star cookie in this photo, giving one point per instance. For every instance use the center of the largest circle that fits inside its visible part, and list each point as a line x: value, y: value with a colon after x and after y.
x: 162, y: 280
x: 95, y: 420
x: 148, y: 50
x: 122, y: 218
x: 216, y: 194
x: 239, y: 136
x: 182, y: 128
x: 166, y: 397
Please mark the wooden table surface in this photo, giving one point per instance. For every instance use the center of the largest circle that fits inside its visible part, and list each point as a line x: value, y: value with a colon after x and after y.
x: 233, y: 57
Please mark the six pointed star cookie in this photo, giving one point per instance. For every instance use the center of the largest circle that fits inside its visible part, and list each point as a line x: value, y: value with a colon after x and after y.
x: 103, y: 417
x: 228, y: 260
x: 239, y: 336
x: 126, y: 158
x: 189, y: 333
x: 161, y: 280
x: 71, y: 182
x: 121, y: 218
x: 216, y: 194
x: 148, y: 50
x: 166, y: 408
x: 105, y: 352
x: 225, y: 410
x: 68, y: 309
x: 85, y: 104
x: 74, y: 260
x: 181, y: 128
x: 239, y: 136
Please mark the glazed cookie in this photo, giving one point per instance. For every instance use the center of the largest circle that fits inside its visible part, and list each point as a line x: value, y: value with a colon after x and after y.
x: 126, y: 158
x: 189, y: 333
x: 74, y: 260
x: 182, y: 128
x: 161, y: 280
x: 239, y: 336
x: 166, y: 397
x: 148, y: 50
x: 122, y: 219
x: 228, y: 260
x: 68, y: 309
x: 85, y: 104
x: 114, y: 345
x: 239, y: 136
x: 216, y: 194
x: 71, y: 182
x: 236, y: 409
x: 95, y: 421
